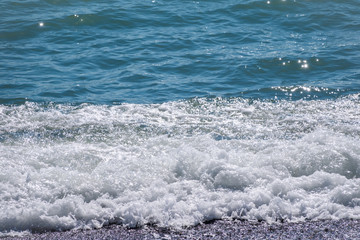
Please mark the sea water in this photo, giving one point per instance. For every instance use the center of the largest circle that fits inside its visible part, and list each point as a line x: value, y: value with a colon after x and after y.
x: 174, y: 113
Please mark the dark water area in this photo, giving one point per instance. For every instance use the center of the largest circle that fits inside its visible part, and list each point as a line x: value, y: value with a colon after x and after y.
x: 107, y: 52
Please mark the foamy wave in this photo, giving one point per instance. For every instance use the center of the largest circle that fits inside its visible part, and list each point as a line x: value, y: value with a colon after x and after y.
x: 178, y: 163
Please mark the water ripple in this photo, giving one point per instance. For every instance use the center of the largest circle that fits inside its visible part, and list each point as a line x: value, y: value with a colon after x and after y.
x: 155, y: 51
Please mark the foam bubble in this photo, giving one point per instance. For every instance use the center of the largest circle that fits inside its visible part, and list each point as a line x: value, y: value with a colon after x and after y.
x: 178, y: 163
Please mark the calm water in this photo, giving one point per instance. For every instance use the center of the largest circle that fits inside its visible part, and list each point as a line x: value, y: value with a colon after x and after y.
x: 177, y: 112
x: 157, y: 51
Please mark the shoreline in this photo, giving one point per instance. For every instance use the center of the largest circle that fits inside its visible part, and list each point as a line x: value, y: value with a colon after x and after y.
x: 218, y: 229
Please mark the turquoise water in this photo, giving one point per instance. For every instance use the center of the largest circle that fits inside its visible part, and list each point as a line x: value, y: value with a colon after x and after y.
x: 173, y: 113
x: 107, y: 52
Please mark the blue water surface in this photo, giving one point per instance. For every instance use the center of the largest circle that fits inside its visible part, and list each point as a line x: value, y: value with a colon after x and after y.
x: 153, y: 51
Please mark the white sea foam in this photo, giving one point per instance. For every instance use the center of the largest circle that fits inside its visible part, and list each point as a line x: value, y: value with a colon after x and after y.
x: 178, y: 163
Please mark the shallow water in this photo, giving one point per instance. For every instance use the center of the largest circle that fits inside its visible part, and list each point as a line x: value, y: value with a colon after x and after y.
x: 170, y: 113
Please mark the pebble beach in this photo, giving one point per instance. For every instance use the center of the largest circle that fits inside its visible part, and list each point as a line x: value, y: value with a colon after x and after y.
x: 220, y: 229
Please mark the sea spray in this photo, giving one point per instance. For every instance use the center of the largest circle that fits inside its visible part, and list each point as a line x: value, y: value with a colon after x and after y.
x: 178, y: 163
